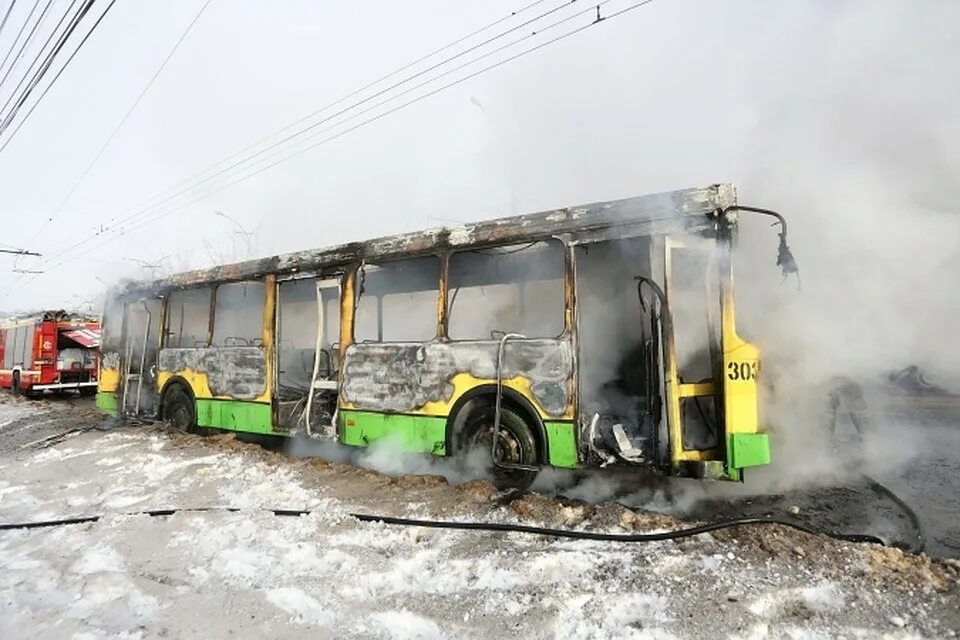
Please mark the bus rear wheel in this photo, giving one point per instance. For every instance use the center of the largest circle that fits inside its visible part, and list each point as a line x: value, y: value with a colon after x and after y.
x: 178, y: 410
x: 516, y: 445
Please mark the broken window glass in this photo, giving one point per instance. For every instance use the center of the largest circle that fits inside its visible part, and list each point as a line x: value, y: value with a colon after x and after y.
x: 398, y: 301
x: 513, y: 289
x: 188, y: 318
x: 238, y: 316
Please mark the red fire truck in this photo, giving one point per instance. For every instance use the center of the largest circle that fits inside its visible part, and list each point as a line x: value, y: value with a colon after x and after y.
x: 47, y: 352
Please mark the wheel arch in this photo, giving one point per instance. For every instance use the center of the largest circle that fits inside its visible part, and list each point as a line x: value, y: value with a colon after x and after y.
x: 511, y: 398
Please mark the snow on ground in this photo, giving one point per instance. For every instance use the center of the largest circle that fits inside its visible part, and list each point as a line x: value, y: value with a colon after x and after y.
x: 255, y: 574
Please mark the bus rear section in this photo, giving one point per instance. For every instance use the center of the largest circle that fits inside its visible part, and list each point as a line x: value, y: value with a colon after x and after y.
x: 48, y: 353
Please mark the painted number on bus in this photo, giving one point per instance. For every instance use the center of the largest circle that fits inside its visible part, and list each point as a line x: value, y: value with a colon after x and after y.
x: 743, y: 370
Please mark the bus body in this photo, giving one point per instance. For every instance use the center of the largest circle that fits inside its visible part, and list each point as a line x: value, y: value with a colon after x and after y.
x: 49, y: 352
x: 596, y: 335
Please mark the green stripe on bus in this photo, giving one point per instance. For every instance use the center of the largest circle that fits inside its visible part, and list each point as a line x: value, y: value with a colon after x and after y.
x: 236, y: 415
x: 414, y: 434
x: 107, y: 402
x: 748, y: 449
x: 562, y: 444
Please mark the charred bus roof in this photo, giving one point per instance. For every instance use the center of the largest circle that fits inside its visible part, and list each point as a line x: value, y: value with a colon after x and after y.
x: 684, y: 210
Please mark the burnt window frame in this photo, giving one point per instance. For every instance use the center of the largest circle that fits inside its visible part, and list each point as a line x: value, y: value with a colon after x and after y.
x: 569, y: 297
x: 213, y: 312
x: 165, y: 310
x: 440, y: 302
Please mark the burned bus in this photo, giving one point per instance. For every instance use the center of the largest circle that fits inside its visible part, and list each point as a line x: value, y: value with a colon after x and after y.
x: 600, y: 335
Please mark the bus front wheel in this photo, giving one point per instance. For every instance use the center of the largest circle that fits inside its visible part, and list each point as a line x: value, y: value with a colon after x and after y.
x: 178, y: 409
x: 516, y: 445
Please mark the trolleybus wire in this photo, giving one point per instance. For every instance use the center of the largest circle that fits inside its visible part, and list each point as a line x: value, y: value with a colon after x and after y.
x: 219, y: 188
x: 181, y: 188
x: 17, y: 38
x: 66, y: 64
x: 6, y: 15
x: 122, y: 122
x: 14, y: 94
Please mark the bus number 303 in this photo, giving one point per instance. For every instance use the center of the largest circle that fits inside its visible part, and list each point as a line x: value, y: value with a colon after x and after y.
x: 743, y: 370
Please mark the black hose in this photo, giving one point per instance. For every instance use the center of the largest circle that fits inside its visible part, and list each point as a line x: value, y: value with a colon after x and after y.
x: 611, y: 537
x: 920, y: 540
x: 486, y: 526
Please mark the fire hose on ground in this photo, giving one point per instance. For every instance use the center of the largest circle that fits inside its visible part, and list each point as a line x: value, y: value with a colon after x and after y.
x: 507, y: 527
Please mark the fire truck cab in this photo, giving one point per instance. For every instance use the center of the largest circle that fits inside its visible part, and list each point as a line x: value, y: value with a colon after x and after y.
x: 53, y: 351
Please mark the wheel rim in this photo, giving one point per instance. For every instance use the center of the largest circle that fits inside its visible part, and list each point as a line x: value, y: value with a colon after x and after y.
x: 508, y: 447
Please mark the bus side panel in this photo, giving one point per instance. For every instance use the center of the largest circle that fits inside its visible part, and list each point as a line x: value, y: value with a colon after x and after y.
x: 412, y: 433
x: 229, y: 385
x: 405, y: 381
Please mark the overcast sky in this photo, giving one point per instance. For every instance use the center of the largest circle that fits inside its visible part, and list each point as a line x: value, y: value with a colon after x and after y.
x: 843, y: 115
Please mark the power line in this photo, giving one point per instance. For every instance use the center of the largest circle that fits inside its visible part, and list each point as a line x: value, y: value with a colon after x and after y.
x: 356, y: 114
x: 13, y: 94
x: 563, y: 36
x: 378, y: 93
x: 85, y: 8
x: 26, y: 43
x: 123, y: 121
x: 7, y: 15
x: 368, y: 121
x: 38, y: 75
x: 134, y: 213
x: 19, y: 33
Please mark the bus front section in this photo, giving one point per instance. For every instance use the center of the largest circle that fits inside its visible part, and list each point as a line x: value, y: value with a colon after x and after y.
x: 665, y: 381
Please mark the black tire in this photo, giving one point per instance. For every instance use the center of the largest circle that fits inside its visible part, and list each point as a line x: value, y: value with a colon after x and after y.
x: 86, y: 392
x: 516, y: 444
x: 179, y: 410
x: 15, y: 385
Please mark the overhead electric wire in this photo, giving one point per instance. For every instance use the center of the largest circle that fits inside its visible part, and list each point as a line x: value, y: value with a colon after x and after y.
x: 23, y: 47
x: 350, y: 95
x: 57, y: 247
x: 123, y: 121
x: 6, y: 16
x: 394, y: 109
x: 48, y: 61
x: 186, y: 190
x: 123, y: 231
x: 19, y: 33
x: 63, y: 68
x: 295, y: 134
x: 36, y: 59
x: 344, y: 132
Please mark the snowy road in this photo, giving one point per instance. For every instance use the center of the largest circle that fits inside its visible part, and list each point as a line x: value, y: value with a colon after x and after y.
x: 251, y: 574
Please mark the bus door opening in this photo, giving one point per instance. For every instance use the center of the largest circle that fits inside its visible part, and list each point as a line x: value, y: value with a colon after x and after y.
x: 141, y: 331
x: 308, y: 355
